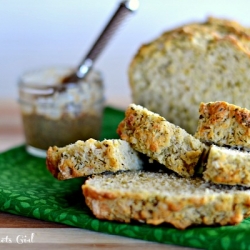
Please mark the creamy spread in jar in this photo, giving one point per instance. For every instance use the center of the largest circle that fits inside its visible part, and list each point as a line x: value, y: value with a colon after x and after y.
x: 59, y: 114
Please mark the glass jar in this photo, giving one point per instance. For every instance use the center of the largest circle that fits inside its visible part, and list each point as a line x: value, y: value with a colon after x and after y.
x: 56, y: 114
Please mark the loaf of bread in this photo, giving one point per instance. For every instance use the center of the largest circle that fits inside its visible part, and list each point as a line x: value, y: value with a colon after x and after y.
x: 152, y: 135
x: 89, y: 157
x: 155, y: 198
x: 222, y: 123
x: 227, y: 166
x: 198, y: 62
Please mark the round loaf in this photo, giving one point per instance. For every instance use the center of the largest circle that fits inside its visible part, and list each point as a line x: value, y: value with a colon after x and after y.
x: 199, y: 62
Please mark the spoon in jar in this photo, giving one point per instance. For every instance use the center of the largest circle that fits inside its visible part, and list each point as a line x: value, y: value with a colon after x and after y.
x: 124, y: 9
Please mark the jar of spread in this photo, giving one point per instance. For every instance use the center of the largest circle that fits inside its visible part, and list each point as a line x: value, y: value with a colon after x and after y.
x: 58, y: 114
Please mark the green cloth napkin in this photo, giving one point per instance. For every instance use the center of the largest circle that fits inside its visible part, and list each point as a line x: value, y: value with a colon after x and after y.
x: 28, y: 189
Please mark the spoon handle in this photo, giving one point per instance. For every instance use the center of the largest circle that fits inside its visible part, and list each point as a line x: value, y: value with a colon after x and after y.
x: 124, y: 9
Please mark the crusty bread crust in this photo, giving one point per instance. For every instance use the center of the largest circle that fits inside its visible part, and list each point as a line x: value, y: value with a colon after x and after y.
x: 151, y: 134
x: 155, y: 198
x: 227, y: 166
x: 222, y: 123
x: 228, y: 25
x: 84, y: 158
x: 198, y: 62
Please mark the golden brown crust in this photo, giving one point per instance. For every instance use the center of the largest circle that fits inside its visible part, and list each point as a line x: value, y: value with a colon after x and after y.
x: 224, y: 124
x: 52, y: 160
x: 213, y: 29
x: 84, y: 158
x: 181, y: 202
x: 228, y: 24
x: 151, y: 134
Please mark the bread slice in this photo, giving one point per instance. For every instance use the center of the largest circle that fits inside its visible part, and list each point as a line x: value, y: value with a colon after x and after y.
x: 151, y: 134
x: 227, y: 166
x: 222, y: 123
x: 155, y: 198
x: 89, y: 157
x: 198, y: 62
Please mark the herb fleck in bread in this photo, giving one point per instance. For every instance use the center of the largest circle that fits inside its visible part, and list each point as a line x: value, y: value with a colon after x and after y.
x: 222, y: 123
x: 155, y: 198
x: 199, y: 62
x: 89, y: 157
x: 227, y: 166
x: 151, y: 134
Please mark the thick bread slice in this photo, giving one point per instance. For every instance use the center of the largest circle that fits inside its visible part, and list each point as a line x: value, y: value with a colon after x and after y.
x: 151, y: 134
x: 84, y: 158
x: 222, y: 123
x: 155, y: 198
x: 192, y: 64
x: 227, y: 166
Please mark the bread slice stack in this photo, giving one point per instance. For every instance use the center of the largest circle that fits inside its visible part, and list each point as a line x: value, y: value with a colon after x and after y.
x: 227, y: 126
x: 118, y: 188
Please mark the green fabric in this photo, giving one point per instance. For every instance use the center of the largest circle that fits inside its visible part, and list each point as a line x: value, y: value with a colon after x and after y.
x: 28, y: 189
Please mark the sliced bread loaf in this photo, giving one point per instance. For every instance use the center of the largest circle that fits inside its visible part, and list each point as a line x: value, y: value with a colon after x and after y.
x: 199, y: 62
x: 222, y: 123
x: 84, y: 158
x: 155, y: 198
x: 227, y: 166
x: 151, y: 134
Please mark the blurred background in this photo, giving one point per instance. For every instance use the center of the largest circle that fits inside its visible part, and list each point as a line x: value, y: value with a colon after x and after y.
x: 35, y: 34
